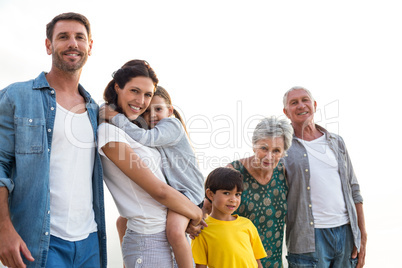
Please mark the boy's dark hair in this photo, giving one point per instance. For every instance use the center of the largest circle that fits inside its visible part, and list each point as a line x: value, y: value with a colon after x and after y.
x: 224, y: 178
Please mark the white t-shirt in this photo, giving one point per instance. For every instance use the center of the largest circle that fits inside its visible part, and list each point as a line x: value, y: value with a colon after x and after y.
x: 328, y: 204
x: 145, y: 215
x: 72, y: 159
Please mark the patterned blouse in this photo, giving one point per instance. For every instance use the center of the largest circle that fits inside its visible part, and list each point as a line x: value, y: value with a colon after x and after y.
x: 266, y: 207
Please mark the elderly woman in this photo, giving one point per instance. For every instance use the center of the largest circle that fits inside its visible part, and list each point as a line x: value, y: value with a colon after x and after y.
x: 265, y: 188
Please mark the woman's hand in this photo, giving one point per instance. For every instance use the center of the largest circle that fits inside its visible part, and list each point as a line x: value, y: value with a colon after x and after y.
x: 195, y: 230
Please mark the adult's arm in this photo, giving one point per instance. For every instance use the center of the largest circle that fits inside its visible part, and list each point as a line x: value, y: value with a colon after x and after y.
x: 362, y: 226
x: 136, y: 170
x: 354, y: 184
x: 358, y: 199
x: 167, y: 132
x: 11, y: 245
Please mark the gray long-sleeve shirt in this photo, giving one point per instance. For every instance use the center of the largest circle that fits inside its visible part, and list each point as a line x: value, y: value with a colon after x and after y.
x: 300, y: 221
x: 179, y: 163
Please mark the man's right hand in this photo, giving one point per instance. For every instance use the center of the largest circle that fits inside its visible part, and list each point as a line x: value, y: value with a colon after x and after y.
x: 11, y: 247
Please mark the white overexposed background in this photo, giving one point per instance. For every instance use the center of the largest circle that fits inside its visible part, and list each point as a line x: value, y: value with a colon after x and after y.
x: 227, y: 64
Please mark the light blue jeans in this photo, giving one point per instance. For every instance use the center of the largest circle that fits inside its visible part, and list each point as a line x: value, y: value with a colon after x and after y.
x: 79, y: 254
x: 333, y: 246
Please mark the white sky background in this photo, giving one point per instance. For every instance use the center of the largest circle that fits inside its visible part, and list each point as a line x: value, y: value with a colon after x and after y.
x: 227, y: 63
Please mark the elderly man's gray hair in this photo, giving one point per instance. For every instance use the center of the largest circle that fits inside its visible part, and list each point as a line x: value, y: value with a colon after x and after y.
x: 285, y: 97
x: 271, y: 127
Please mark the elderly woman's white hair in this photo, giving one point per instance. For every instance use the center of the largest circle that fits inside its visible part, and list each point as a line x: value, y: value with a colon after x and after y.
x: 285, y: 97
x: 271, y: 127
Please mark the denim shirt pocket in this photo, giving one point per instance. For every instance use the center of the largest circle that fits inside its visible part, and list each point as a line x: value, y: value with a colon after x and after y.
x: 29, y: 135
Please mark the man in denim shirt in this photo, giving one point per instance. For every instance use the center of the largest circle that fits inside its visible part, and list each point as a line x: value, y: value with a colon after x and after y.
x: 51, y: 189
x: 325, y: 223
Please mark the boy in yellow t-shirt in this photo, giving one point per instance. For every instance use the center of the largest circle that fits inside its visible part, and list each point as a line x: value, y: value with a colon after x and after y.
x: 229, y: 240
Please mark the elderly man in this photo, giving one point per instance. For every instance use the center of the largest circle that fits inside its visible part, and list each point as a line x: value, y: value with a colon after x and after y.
x: 325, y: 223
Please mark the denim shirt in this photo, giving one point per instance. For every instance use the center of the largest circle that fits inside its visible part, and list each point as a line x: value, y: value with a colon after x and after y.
x: 300, y: 221
x: 27, y: 115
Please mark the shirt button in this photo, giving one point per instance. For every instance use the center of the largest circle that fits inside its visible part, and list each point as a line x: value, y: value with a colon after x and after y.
x: 311, y: 223
x: 48, y: 149
x: 49, y: 130
x: 52, y: 108
x: 48, y: 212
x: 47, y: 233
x: 52, y: 91
x: 306, y: 170
x: 308, y: 187
x: 139, y: 261
x: 30, y: 120
x: 309, y: 205
x: 305, y: 155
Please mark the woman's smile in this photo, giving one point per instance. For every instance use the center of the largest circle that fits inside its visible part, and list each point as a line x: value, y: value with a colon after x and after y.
x: 136, y: 96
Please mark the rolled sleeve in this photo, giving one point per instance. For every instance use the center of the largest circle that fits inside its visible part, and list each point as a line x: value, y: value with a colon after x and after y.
x: 354, y: 184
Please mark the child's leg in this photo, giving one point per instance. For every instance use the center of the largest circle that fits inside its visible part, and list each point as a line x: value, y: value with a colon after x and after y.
x: 121, y: 225
x: 176, y: 225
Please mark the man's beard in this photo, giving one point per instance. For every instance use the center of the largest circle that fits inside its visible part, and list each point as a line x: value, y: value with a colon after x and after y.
x: 68, y: 66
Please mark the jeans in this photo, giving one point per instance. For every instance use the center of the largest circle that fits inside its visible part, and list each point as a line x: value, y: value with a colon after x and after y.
x: 333, y: 246
x: 66, y: 254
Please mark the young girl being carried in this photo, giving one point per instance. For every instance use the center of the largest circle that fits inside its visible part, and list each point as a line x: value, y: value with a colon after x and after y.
x: 168, y: 134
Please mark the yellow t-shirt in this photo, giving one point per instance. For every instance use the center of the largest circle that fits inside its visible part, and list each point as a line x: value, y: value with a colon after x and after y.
x: 228, y: 244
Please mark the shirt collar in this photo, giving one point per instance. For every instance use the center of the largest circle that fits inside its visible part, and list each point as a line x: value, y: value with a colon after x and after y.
x: 40, y: 82
x: 323, y: 130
